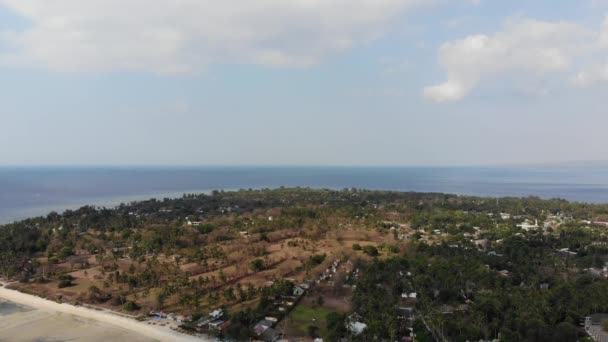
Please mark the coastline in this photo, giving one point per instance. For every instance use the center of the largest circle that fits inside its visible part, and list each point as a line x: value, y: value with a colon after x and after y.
x: 150, y: 331
x: 109, y: 202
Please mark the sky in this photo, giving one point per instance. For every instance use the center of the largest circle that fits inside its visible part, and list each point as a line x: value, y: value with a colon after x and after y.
x: 302, y: 82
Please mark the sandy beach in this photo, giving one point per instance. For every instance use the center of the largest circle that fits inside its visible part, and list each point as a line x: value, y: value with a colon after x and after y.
x: 40, y: 319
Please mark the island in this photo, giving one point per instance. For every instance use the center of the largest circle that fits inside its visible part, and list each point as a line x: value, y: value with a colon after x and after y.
x: 325, y: 265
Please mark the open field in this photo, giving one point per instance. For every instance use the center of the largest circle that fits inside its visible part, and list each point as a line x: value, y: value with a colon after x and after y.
x: 285, y: 253
x: 303, y: 316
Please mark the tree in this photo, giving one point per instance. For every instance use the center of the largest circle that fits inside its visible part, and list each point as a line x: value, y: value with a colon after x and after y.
x: 94, y: 293
x: 336, y: 326
x: 565, y: 332
x: 65, y: 252
x: 320, y: 301
x: 160, y: 299
x: 229, y: 294
x: 241, y: 292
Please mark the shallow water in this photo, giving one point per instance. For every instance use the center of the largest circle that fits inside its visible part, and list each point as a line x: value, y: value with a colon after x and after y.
x: 23, y: 324
x: 9, y: 308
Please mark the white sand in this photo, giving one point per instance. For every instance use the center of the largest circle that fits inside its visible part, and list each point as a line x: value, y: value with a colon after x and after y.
x: 104, y: 317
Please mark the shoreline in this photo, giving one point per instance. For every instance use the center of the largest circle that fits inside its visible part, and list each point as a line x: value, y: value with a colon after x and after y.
x: 107, y: 317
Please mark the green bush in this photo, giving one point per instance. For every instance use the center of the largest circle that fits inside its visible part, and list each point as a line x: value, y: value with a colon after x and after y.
x: 65, y: 280
x: 65, y: 252
x: 370, y: 250
x: 258, y: 265
x: 205, y: 228
x: 131, y: 306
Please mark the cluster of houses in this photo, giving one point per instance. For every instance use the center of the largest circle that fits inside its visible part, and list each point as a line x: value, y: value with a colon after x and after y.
x: 527, y: 225
x: 599, y: 272
x: 565, y: 252
x: 329, y: 273
x: 170, y: 316
x: 594, y: 327
x: 213, y: 322
x: 217, y: 321
x: 264, y: 329
x: 229, y: 209
x: 406, y: 312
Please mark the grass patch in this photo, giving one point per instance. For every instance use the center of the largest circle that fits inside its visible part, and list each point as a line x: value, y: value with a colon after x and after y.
x: 304, y: 315
x: 242, y: 306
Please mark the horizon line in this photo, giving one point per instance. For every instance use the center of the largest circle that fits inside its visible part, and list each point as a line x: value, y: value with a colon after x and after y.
x: 228, y: 165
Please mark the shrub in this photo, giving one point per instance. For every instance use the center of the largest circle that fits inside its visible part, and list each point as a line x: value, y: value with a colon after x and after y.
x: 65, y: 280
x: 65, y: 252
x: 264, y: 237
x: 317, y: 259
x: 131, y: 306
x: 258, y: 265
x: 357, y: 247
x: 370, y: 250
x: 393, y: 248
x: 205, y: 228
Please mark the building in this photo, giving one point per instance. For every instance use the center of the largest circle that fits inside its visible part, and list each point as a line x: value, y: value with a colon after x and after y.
x: 298, y: 291
x: 357, y: 328
x: 355, y: 325
x: 527, y: 226
x: 216, y: 314
x: 270, y: 335
x: 264, y: 331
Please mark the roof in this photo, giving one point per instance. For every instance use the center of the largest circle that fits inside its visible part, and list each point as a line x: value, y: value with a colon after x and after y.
x: 598, y: 318
x: 216, y: 313
x: 262, y: 326
x: 270, y: 335
x: 202, y: 321
x: 217, y: 323
x: 357, y: 327
x: 225, y: 325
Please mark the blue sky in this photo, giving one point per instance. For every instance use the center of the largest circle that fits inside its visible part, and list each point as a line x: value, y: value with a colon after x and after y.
x: 302, y: 82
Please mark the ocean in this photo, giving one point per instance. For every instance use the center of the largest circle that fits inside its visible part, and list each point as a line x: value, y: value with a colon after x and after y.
x: 33, y: 191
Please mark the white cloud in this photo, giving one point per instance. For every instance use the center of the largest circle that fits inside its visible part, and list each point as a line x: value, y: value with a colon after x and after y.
x: 186, y: 35
x: 591, y: 75
x: 525, y: 47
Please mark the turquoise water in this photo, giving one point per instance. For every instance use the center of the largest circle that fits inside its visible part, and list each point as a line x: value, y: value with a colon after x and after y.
x: 9, y: 308
x: 26, y: 192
